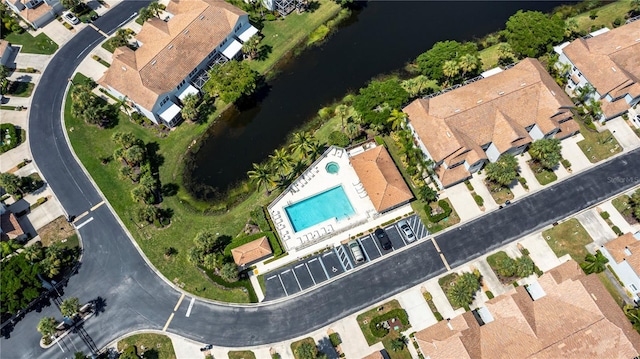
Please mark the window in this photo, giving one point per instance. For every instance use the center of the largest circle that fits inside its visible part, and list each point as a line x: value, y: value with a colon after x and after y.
x: 193, y: 72
x: 164, y: 100
x: 633, y: 287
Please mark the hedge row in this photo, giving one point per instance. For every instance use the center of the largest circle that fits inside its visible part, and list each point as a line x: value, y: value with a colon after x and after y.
x: 401, y: 314
x: 438, y: 217
x: 243, y: 283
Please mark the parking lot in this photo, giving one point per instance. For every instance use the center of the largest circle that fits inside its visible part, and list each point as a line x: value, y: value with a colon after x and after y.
x: 317, y: 269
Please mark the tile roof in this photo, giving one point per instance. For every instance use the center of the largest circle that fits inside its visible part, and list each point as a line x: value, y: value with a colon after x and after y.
x: 36, y: 13
x: 610, y: 60
x: 577, y: 318
x: 170, y: 49
x: 10, y: 226
x: 374, y: 355
x: 496, y: 109
x: 251, y: 251
x: 4, y: 45
x: 381, y: 179
x: 617, y: 248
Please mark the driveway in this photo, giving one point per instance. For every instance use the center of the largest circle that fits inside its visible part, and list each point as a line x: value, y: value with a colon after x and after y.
x: 573, y: 153
x: 597, y: 228
x: 623, y: 133
x: 527, y: 173
x: 542, y: 255
x: 462, y: 201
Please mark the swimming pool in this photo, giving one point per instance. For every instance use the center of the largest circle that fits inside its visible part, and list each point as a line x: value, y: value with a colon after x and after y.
x: 313, y: 210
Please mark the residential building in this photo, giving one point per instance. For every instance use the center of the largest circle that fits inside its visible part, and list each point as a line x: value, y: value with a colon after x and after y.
x: 10, y: 228
x: 565, y: 314
x: 36, y: 13
x: 464, y: 128
x: 252, y: 251
x: 624, y: 258
x: 6, y: 53
x: 283, y: 7
x: 173, y: 56
x: 607, y: 60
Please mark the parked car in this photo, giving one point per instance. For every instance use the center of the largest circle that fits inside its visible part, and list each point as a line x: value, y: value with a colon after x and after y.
x: 70, y: 18
x: 356, y: 251
x: 383, y: 239
x: 406, y: 230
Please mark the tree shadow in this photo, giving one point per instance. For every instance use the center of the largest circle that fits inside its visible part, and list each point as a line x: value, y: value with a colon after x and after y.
x: 312, y: 6
x: 155, y: 159
x: 263, y: 52
x: 99, y: 305
x: 325, y: 347
x: 150, y: 354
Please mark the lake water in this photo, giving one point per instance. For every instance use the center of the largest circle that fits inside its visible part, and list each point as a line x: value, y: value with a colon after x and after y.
x: 379, y: 38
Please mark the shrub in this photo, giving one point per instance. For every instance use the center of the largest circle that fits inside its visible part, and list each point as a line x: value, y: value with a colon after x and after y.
x: 469, y: 185
x: 479, y: 200
x: 524, y: 251
x: 617, y: 230
x: 438, y: 316
x: 617, y: 22
x: 593, y: 14
x: 338, y: 138
x: 335, y: 339
x: 565, y: 163
x: 10, y: 137
x: 489, y: 294
x: 258, y: 217
x: 427, y: 296
x: 605, y: 215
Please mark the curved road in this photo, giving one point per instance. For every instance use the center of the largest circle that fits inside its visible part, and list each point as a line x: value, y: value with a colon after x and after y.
x: 136, y: 298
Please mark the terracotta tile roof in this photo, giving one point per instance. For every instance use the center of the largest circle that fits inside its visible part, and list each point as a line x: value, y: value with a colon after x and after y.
x: 4, y: 44
x: 577, y: 318
x: 10, y: 226
x: 617, y: 248
x: 451, y: 176
x: 611, y: 109
x: 381, y: 179
x: 609, y: 60
x: 251, y: 251
x: 170, y: 50
x: 497, y: 110
x: 567, y: 128
x: 374, y: 355
x: 34, y: 14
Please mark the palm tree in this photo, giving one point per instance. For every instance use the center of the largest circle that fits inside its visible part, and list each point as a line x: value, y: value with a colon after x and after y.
x: 147, y: 213
x: 546, y: 151
x: 281, y: 161
x: 503, y: 171
x: 450, y: 69
x: 134, y: 155
x: 140, y: 194
x: 570, y: 27
x: 190, y: 107
x: 250, y: 47
x: 154, y: 8
x: 123, y: 104
x: 397, y: 119
x: 148, y: 181
x: 70, y: 307
x: 302, y: 143
x: 125, y: 172
x: 261, y: 176
x: 229, y: 272
x: 47, y: 326
x: 34, y: 252
x: 352, y: 130
x: 633, y: 314
x: 349, y: 98
x: 594, y: 263
x: 585, y: 92
x: 341, y: 111
x: 468, y: 63
x: 524, y: 266
x: 398, y: 343
x: 51, y: 266
x: 4, y: 73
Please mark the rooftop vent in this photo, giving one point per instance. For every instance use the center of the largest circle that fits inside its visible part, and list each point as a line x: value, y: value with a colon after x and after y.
x: 523, y: 84
x: 501, y: 93
x: 186, y: 31
x: 170, y: 47
x: 457, y: 110
x: 553, y: 92
x: 613, y: 69
x: 124, y: 68
x: 618, y: 47
x: 448, y: 134
x: 153, y: 62
x: 202, y: 17
x: 479, y: 101
x: 627, y: 251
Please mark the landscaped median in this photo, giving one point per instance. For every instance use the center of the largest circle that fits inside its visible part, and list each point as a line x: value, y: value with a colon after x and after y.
x: 385, y: 324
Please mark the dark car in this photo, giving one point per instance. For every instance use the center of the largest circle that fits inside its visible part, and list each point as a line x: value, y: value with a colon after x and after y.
x: 383, y: 239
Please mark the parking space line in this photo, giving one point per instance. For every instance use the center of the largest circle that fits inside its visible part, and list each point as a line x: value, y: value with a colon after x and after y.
x: 83, y: 223
x: 193, y: 300
x: 311, y: 275
x: 96, y: 206
x: 299, y: 265
x: 435, y: 244
x: 312, y: 260
x: 288, y: 270
x: 444, y: 260
x: 283, y: 287
x: 296, y: 278
x: 364, y: 250
x: 273, y: 276
x: 376, y: 244
x: 167, y: 324
x: 179, y: 301
x: 324, y: 269
x: 340, y: 259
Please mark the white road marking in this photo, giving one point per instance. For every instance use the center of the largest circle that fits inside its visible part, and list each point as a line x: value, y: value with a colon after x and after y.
x: 83, y: 223
x: 193, y: 300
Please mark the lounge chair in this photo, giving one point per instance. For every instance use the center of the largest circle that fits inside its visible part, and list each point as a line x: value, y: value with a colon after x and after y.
x: 330, y: 229
x: 363, y: 194
x: 323, y: 231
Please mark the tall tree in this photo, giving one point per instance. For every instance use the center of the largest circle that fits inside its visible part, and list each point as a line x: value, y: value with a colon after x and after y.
x: 524, y: 266
x: 450, y: 69
x: 375, y: 101
x: 594, y: 263
x: 4, y: 74
x: 70, y: 4
x: 19, y: 282
x: 430, y: 63
x: 229, y: 272
x: 70, y: 307
x: 261, y: 176
x: 231, y: 81
x: 352, y: 130
x: 281, y: 161
x: 190, y: 107
x: 34, y: 253
x: 504, y: 170
x: 397, y: 119
x: 546, y: 151
x: 469, y: 64
x: 250, y: 47
x: 398, y: 343
x: 302, y: 143
x: 47, y: 326
x: 532, y: 33
x: 341, y: 111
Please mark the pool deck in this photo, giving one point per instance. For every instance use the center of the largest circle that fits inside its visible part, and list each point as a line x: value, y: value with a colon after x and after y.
x: 316, y: 180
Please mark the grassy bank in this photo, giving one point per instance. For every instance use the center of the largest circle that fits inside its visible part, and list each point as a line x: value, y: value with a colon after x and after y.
x: 282, y: 36
x: 40, y: 44
x: 152, y: 345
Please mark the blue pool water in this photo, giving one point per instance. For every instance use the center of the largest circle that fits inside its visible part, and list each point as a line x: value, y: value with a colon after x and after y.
x: 321, y: 207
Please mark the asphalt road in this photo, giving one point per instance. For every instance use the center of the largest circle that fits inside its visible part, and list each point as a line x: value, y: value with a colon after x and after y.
x: 136, y: 298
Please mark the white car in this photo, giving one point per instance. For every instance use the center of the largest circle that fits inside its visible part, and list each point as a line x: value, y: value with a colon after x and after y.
x: 70, y: 18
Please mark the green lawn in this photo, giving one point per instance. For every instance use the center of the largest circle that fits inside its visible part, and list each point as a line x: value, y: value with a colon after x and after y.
x: 90, y: 143
x: 20, y: 89
x: 500, y: 194
x: 365, y: 318
x: 606, y: 15
x: 597, y: 146
x: 40, y: 44
x: 489, y: 57
x: 453, y: 219
x: 543, y: 175
x: 155, y: 345
x: 622, y: 204
x: 611, y: 288
x: 282, y: 36
x: 244, y: 354
x: 568, y: 237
